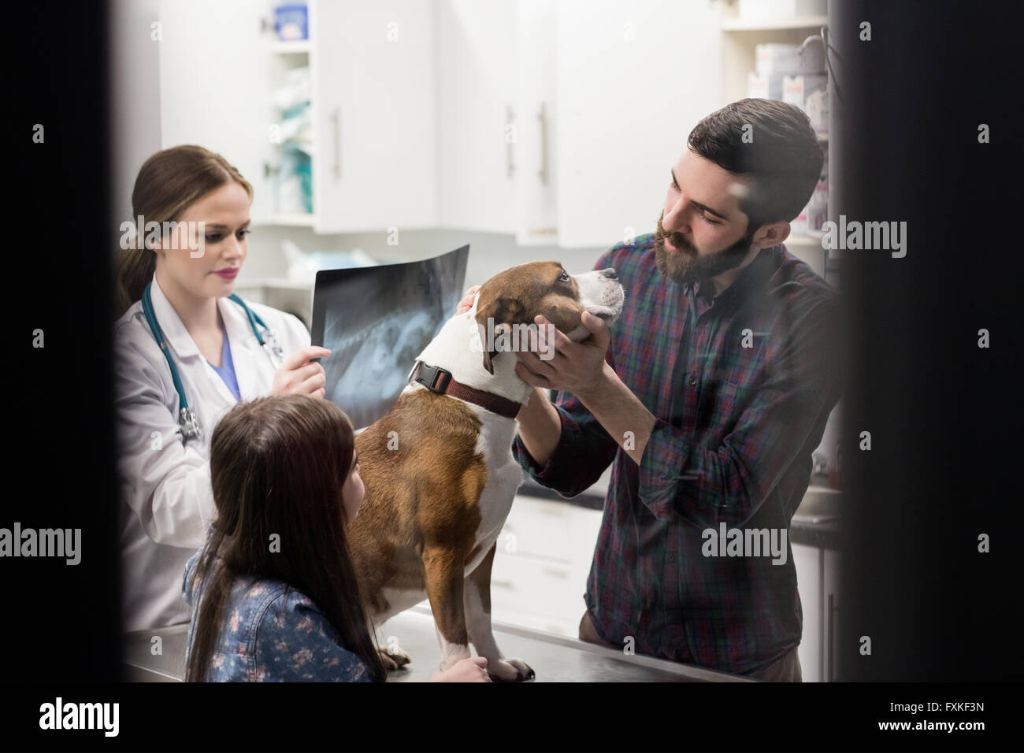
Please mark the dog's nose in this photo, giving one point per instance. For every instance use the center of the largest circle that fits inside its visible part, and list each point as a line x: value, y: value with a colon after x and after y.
x: 610, y: 273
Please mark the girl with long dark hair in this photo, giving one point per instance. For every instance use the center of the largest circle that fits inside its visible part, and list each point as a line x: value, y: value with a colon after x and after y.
x: 273, y: 594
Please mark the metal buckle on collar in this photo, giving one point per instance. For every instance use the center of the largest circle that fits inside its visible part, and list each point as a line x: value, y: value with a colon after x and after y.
x: 434, y: 378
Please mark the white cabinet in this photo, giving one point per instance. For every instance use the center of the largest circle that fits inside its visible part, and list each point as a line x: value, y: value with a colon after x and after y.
x: 537, y: 121
x: 555, y: 120
x: 477, y: 103
x: 817, y: 573
x: 831, y: 615
x: 541, y: 565
x: 497, y: 117
x: 372, y: 96
x: 809, y: 583
x: 633, y: 79
x: 374, y: 85
x: 603, y: 94
x: 215, y: 85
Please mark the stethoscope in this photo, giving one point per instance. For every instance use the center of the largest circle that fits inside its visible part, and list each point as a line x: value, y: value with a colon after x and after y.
x: 188, y: 421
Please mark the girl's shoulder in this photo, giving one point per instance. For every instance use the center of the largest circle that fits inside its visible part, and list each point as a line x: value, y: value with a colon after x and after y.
x: 249, y: 601
x: 293, y: 641
x: 272, y: 632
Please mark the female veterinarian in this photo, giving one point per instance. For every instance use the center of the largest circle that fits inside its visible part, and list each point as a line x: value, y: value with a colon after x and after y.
x: 187, y: 350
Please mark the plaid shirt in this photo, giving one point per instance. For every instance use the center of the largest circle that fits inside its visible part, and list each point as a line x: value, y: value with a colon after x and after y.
x: 741, y: 386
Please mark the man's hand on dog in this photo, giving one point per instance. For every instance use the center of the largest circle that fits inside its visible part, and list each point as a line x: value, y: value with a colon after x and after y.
x: 575, y: 367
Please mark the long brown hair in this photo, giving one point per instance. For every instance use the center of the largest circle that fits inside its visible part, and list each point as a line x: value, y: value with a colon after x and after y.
x: 168, y: 183
x: 277, y: 465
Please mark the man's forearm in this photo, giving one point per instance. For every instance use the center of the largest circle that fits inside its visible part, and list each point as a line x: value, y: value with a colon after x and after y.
x: 609, y: 400
x: 539, y: 426
x: 620, y: 412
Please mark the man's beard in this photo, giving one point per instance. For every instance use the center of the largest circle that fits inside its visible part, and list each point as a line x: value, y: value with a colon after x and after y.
x: 686, y: 265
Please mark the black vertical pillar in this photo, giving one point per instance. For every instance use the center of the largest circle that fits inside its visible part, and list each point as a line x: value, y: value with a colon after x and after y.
x: 58, y: 622
x: 943, y: 414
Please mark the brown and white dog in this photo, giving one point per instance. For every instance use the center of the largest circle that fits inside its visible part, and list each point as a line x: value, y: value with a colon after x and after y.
x: 438, y: 468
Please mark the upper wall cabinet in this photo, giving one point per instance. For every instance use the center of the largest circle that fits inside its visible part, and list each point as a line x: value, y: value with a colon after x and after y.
x: 210, y: 93
x: 496, y: 109
x: 633, y: 79
x: 336, y: 132
x: 560, y: 119
x: 477, y: 108
x: 538, y: 135
x: 555, y: 120
x: 374, y: 109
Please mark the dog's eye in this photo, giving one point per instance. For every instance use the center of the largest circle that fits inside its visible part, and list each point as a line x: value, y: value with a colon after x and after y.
x: 564, y: 277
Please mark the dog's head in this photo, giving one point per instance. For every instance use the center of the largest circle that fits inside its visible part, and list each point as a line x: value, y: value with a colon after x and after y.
x: 520, y: 293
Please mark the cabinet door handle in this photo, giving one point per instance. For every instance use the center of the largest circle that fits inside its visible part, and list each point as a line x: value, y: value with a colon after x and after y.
x: 542, y: 116
x: 510, y: 147
x: 336, y: 135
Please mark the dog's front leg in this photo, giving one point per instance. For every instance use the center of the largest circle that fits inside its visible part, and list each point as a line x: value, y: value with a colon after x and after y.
x: 477, y: 599
x: 443, y: 571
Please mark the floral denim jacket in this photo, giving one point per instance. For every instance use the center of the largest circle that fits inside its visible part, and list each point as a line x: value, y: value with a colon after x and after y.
x: 272, y: 633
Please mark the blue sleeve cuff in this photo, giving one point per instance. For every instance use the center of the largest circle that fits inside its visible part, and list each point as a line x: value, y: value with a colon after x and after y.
x: 560, y: 472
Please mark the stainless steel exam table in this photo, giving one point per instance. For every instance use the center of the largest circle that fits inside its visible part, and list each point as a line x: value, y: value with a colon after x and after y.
x: 553, y: 658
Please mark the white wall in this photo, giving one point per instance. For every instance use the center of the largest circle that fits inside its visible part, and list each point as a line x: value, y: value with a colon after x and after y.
x: 135, y: 104
x: 489, y: 252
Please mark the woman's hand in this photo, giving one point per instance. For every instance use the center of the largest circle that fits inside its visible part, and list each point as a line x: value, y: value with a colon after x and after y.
x: 467, y: 301
x: 298, y: 375
x: 473, y: 669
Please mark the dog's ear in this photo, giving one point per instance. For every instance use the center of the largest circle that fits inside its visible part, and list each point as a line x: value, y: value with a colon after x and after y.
x: 494, y: 315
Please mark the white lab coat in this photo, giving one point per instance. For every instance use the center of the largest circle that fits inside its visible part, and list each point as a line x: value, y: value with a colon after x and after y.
x: 167, y: 498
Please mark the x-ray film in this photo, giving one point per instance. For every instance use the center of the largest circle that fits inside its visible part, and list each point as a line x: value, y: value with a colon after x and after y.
x: 375, y: 321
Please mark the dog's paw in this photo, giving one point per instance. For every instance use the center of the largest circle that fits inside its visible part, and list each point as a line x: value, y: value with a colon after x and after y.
x: 393, y: 658
x: 510, y: 670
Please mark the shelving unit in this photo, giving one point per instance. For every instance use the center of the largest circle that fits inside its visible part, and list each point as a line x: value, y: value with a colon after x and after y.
x: 798, y: 22
x: 286, y: 56
x: 740, y: 38
x: 297, y: 47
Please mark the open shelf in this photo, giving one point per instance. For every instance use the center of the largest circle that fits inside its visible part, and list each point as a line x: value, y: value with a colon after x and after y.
x: 297, y: 219
x: 781, y: 24
x: 298, y: 47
